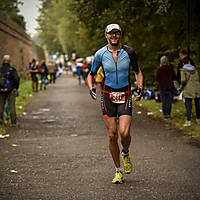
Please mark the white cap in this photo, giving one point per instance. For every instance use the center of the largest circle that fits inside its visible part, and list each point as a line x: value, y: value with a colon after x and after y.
x: 6, y: 57
x: 110, y: 27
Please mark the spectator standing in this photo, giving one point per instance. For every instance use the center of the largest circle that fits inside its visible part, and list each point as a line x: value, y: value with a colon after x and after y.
x: 9, y: 84
x: 165, y: 76
x: 52, y: 72
x: 191, y: 89
x: 84, y: 72
x: 34, y: 71
x: 44, y: 73
x: 88, y: 66
x: 28, y: 67
x: 99, y: 77
x: 79, y: 71
x: 60, y: 70
x: 74, y: 67
x: 182, y: 54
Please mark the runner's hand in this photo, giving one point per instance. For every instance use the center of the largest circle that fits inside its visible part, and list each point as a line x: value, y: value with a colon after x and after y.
x: 138, y: 92
x: 93, y: 93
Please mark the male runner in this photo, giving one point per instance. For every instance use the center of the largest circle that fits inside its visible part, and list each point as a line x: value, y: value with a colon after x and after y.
x: 116, y: 102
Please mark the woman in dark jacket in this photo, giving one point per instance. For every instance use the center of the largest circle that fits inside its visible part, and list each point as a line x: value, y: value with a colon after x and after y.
x: 165, y: 76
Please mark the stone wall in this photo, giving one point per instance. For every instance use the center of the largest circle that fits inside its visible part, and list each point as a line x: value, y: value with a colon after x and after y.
x: 15, y: 42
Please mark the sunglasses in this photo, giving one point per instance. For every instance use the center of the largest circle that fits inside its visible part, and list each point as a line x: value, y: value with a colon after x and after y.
x: 114, y: 33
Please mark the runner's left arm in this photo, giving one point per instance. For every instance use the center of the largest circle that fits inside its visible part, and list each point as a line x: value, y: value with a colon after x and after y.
x: 138, y: 75
x: 139, y: 78
x: 139, y: 82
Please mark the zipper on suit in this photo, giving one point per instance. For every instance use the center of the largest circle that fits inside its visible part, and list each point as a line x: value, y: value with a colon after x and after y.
x: 116, y: 69
x: 116, y: 74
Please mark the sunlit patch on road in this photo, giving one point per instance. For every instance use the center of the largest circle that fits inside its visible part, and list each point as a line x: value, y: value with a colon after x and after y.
x: 44, y: 109
x: 49, y: 121
x: 74, y: 135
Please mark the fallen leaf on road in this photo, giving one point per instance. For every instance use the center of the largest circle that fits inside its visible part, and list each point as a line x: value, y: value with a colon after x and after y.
x: 13, y: 171
x: 4, y: 136
x: 44, y: 109
x: 36, y: 117
x: 74, y: 135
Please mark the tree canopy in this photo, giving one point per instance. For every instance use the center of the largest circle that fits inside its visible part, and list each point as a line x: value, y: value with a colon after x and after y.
x: 152, y: 27
x: 10, y: 9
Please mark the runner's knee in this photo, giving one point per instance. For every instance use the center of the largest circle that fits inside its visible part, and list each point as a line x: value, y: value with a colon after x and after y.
x: 113, y: 136
x: 124, y: 134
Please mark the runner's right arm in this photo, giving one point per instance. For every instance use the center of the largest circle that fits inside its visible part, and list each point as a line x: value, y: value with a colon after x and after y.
x: 90, y: 83
x: 90, y: 79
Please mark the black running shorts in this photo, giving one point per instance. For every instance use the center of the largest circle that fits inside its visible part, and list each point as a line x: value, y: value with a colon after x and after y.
x: 34, y: 77
x: 110, y: 109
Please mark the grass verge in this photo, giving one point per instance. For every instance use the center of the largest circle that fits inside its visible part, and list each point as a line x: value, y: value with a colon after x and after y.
x: 25, y: 93
x: 177, y: 116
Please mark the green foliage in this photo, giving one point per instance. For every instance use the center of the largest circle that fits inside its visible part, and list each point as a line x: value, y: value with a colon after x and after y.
x: 152, y: 27
x: 10, y: 9
x: 40, y: 53
x: 25, y: 90
x: 48, y: 28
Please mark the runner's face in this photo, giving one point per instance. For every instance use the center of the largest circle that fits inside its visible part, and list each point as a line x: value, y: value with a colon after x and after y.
x: 113, y: 37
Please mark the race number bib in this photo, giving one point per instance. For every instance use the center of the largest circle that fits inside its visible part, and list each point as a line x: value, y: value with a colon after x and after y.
x: 117, y: 97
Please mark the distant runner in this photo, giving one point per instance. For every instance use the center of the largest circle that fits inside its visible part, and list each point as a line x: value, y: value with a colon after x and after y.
x: 116, y: 102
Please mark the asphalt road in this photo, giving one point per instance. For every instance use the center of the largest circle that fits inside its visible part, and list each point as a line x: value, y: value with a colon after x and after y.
x: 60, y: 152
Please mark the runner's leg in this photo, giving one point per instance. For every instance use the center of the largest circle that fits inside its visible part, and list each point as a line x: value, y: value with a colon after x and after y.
x: 124, y: 129
x: 111, y: 126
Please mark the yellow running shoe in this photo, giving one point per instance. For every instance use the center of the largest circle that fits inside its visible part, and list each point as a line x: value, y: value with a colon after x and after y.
x: 118, y: 179
x: 127, y: 164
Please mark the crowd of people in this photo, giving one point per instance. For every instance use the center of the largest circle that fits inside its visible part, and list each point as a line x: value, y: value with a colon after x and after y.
x: 80, y: 68
x: 44, y: 73
x: 110, y: 69
x: 188, y: 85
x: 41, y: 75
x: 184, y: 83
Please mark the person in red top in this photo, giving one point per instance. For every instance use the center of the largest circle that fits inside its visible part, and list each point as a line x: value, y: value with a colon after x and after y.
x: 165, y: 76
